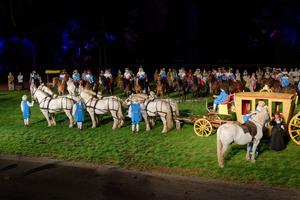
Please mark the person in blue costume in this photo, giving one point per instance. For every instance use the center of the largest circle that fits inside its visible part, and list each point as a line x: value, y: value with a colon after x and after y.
x: 284, y: 80
x: 89, y: 77
x: 25, y: 108
x: 78, y: 112
x: 163, y: 74
x: 135, y: 115
x: 221, y: 98
x: 76, y: 77
x: 249, y: 115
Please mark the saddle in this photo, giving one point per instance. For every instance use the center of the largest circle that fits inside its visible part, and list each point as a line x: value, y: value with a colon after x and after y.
x: 249, y: 127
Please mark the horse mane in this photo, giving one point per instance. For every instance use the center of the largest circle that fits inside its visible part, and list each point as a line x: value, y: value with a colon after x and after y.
x: 259, y: 117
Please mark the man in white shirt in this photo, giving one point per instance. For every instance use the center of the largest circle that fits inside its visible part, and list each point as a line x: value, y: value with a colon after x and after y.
x: 20, y: 81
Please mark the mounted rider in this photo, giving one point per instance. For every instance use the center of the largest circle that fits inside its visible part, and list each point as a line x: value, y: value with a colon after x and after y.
x: 283, y: 79
x: 141, y: 75
x: 230, y: 75
x: 108, y: 76
x: 89, y: 78
x: 245, y: 75
x: 76, y: 77
x: 35, y: 78
x: 238, y: 75
x: 62, y: 75
x: 219, y: 74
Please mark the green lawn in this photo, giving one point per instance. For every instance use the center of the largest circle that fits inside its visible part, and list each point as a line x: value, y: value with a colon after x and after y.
x: 180, y: 152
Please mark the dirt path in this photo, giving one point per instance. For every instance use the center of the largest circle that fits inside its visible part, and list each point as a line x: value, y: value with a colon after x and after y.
x: 39, y: 178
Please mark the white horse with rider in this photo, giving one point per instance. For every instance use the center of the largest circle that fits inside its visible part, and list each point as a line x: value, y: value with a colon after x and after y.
x: 233, y: 133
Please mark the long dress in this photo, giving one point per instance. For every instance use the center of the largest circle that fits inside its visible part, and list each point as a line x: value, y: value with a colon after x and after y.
x: 78, y: 112
x: 135, y: 113
x: 277, y: 136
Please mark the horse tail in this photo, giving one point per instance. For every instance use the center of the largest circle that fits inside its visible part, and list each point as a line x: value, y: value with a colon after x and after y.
x: 169, y: 118
x: 219, y: 148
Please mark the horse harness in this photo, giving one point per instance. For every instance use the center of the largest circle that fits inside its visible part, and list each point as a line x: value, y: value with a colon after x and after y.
x: 46, y: 101
x: 157, y: 111
x: 89, y: 105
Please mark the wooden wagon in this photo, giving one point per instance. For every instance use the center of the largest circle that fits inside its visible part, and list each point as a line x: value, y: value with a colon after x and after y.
x: 203, y: 126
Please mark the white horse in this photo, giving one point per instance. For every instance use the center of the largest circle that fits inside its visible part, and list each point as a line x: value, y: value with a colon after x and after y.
x: 49, y: 105
x: 96, y: 106
x: 71, y: 87
x: 152, y: 108
x: 231, y: 132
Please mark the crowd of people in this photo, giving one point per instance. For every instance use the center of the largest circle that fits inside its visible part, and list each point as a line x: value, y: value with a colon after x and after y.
x: 250, y: 80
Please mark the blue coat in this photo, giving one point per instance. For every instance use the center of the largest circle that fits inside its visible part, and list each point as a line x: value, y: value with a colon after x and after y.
x: 26, y: 110
x: 284, y: 81
x: 135, y: 113
x: 76, y: 77
x: 221, y: 98
x: 79, y: 112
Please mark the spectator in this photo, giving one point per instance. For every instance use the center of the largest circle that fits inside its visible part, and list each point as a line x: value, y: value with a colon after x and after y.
x: 20, y: 81
x: 11, y: 85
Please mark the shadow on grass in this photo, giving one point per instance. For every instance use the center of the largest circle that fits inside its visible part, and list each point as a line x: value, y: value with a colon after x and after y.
x: 233, y: 150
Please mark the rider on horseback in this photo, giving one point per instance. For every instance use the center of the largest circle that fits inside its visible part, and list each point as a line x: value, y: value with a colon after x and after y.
x: 108, y: 76
x: 76, y: 77
x: 141, y: 75
x: 127, y: 75
x: 89, y: 78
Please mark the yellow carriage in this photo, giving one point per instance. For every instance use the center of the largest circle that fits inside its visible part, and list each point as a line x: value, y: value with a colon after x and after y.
x: 283, y: 103
x: 245, y: 102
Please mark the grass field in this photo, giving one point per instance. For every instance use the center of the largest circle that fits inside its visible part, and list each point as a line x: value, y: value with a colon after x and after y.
x: 178, y: 152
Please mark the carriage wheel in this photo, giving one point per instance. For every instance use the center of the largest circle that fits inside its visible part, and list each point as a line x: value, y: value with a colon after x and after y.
x: 202, y: 127
x: 294, y: 128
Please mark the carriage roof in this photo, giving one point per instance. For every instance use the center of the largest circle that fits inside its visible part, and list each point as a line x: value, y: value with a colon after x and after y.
x: 277, y: 102
x: 264, y: 95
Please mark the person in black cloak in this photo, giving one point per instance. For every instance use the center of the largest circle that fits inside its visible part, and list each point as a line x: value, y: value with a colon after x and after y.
x: 278, y: 132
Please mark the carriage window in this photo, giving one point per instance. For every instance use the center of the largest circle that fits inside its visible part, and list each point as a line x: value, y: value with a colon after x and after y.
x: 246, y: 106
x: 277, y: 107
x: 264, y: 100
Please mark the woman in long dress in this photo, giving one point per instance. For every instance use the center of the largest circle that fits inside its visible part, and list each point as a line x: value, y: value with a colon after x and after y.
x: 277, y: 135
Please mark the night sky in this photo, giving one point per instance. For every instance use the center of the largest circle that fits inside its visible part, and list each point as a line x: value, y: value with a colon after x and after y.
x: 121, y: 33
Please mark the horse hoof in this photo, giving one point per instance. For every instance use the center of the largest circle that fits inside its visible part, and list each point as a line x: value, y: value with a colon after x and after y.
x: 253, y: 161
x: 247, y: 158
